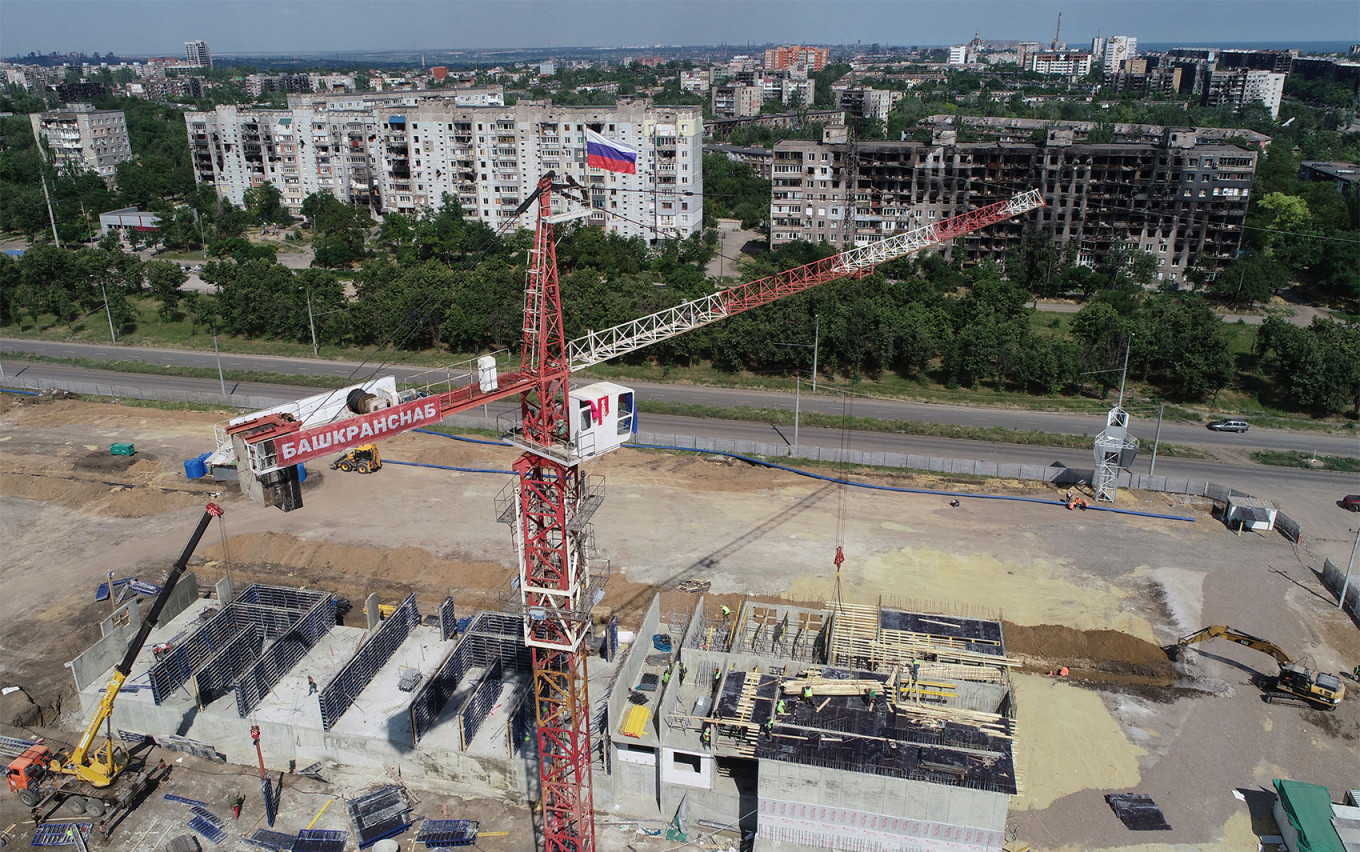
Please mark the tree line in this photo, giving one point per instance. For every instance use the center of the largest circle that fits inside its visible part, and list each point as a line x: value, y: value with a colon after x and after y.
x: 442, y: 281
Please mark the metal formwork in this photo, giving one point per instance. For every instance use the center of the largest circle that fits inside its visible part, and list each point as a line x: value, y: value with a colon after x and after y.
x: 285, y: 653
x: 478, y: 705
x: 215, y: 677
x: 488, y: 639
x: 448, y: 620
x: 272, y: 610
x: 344, y: 688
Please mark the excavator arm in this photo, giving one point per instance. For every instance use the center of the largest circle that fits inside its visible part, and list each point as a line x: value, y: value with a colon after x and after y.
x: 102, y: 767
x: 1218, y: 631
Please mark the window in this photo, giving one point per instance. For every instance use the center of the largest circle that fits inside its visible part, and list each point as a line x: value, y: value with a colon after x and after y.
x: 689, y: 762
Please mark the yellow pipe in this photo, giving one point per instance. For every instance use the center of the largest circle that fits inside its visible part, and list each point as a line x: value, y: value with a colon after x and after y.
x: 320, y: 812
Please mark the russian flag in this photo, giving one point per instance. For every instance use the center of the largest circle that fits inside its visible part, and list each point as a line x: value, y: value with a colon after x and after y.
x: 602, y: 153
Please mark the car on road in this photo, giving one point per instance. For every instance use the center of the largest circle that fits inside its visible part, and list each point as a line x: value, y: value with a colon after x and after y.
x: 1351, y: 502
x: 1229, y: 426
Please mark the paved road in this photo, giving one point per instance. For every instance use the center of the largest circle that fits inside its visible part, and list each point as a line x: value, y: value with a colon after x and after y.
x: 1144, y: 422
x: 1309, y: 496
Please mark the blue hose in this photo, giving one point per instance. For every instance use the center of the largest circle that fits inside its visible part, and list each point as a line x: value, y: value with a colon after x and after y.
x: 447, y: 467
x: 810, y: 475
x: 23, y: 393
x: 461, y: 438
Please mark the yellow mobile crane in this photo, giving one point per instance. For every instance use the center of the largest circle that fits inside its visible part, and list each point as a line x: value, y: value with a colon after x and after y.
x: 1320, y: 689
x: 88, y: 764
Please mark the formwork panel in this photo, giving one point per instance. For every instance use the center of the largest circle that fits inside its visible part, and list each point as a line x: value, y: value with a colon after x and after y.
x: 214, y: 678
x: 344, y: 688
x: 432, y: 696
x: 285, y: 653
x: 448, y: 620
x: 475, y: 709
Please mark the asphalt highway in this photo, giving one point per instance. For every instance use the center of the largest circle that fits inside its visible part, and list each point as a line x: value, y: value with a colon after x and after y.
x: 1143, y: 422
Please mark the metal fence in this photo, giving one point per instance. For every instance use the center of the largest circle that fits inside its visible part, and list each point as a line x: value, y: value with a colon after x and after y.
x: 230, y: 400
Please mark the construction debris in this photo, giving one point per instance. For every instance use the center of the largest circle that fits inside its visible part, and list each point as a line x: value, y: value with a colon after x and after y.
x: 1137, y: 811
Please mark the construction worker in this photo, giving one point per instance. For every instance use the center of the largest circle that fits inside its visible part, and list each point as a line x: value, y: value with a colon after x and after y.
x: 873, y: 695
x: 666, y: 676
x: 717, y: 674
x: 781, y: 708
x: 706, y: 736
x: 915, y: 670
x: 682, y: 672
x: 236, y: 804
x: 768, y: 729
x: 1355, y: 672
x: 726, y: 611
x: 311, y: 685
x: 1062, y: 672
x: 807, y: 692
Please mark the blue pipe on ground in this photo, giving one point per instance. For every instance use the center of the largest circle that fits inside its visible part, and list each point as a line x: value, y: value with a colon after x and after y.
x: 810, y: 475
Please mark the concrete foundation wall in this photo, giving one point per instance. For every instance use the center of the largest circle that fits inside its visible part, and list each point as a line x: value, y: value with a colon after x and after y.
x: 1334, y: 577
x: 96, y: 660
x: 184, y: 593
x: 827, y: 807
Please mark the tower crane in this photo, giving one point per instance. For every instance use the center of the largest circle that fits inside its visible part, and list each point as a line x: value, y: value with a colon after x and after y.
x: 557, y: 430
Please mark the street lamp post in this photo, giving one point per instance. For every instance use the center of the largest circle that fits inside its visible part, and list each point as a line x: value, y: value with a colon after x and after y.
x: 108, y: 313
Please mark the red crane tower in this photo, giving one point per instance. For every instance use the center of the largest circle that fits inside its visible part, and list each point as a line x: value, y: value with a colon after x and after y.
x: 552, y: 500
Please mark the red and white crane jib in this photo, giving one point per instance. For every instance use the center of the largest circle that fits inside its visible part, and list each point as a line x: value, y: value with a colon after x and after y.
x: 600, y: 346
x: 286, y: 436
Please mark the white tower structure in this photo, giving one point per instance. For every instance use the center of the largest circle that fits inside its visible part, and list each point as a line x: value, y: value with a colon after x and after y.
x: 1114, y: 451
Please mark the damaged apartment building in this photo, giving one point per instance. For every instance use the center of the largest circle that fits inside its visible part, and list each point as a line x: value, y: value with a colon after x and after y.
x: 1180, y: 195
x: 403, y: 152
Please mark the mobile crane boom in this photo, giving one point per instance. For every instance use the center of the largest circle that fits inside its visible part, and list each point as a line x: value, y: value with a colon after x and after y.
x: 101, y: 767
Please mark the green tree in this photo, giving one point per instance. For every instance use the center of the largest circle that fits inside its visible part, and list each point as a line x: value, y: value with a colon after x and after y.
x: 166, y: 279
x: 264, y: 204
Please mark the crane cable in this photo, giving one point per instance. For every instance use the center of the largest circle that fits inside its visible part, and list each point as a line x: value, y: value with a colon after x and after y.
x: 842, y: 496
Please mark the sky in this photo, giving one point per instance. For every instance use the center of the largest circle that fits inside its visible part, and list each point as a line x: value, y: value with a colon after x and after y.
x: 160, y: 27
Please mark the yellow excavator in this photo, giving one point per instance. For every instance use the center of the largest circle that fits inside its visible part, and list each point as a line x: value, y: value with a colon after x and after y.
x: 33, y: 775
x: 364, y: 459
x: 1319, y: 689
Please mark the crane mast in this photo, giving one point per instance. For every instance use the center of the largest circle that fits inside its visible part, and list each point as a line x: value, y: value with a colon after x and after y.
x: 554, y: 575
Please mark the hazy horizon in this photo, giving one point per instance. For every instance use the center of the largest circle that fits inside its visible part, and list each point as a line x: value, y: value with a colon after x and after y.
x: 266, y: 27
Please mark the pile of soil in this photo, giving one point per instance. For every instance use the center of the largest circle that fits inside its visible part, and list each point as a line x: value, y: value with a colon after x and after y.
x: 17, y: 709
x: 1096, y: 655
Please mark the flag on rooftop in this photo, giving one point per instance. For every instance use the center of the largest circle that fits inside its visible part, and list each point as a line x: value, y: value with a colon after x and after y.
x: 602, y: 153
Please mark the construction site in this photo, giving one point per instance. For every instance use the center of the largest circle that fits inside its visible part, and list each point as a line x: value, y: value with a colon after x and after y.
x: 721, y: 655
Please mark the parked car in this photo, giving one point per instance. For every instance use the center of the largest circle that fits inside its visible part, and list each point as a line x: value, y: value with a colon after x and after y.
x: 1351, y: 502
x: 1229, y: 426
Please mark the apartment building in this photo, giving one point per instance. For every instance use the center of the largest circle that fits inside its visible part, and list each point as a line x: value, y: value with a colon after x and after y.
x: 866, y: 102
x: 1118, y: 50
x: 403, y: 152
x: 780, y: 58
x: 197, y: 53
x: 1060, y: 63
x: 1179, y: 198
x: 734, y: 100
x: 84, y: 137
x: 1242, y: 86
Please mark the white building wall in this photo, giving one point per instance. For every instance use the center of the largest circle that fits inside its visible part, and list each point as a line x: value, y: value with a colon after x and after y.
x: 414, y: 150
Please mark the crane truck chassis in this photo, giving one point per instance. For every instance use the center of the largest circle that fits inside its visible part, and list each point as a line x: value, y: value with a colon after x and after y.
x: 79, y: 778
x: 1294, y: 681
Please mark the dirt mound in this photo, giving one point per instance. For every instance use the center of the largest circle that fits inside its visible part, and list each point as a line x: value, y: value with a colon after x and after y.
x: 17, y: 709
x: 1101, y: 655
x: 95, y: 497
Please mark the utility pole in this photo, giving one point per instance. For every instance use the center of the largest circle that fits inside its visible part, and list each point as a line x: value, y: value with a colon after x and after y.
x: 220, y: 377
x: 50, y: 216
x: 311, y: 323
x: 816, y: 343
x: 105, y: 290
x: 1346, y: 583
x: 1155, y: 438
x: 797, y: 387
